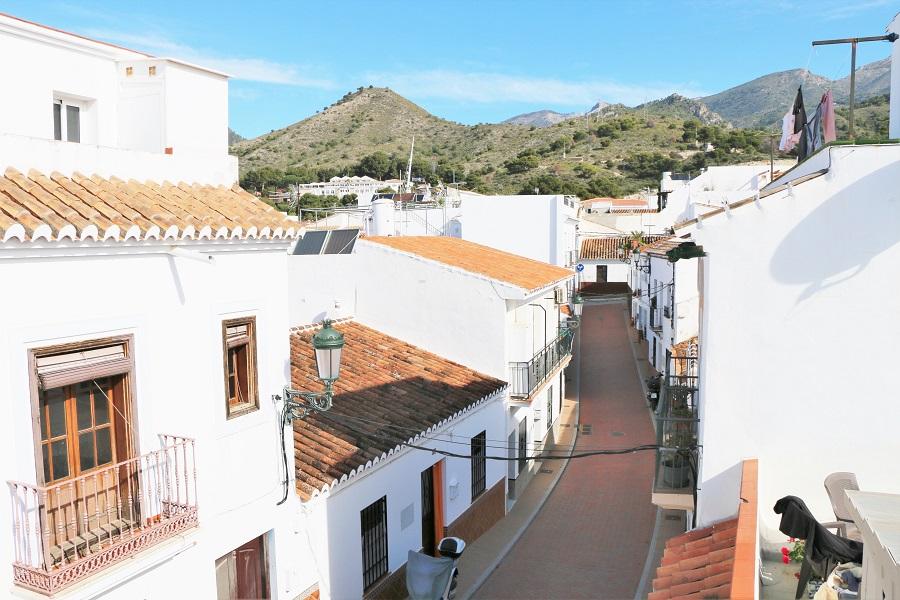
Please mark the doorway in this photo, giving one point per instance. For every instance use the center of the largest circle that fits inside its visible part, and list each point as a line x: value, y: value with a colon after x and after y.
x: 601, y: 273
x: 243, y: 573
x: 432, y: 507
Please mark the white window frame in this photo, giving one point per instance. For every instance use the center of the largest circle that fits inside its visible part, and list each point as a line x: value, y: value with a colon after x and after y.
x: 64, y: 102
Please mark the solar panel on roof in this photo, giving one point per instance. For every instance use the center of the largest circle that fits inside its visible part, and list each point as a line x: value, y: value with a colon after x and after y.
x: 311, y: 243
x: 341, y: 241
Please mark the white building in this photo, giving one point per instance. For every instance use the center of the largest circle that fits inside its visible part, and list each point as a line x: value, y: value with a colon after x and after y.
x: 491, y: 311
x: 145, y: 338
x: 364, y: 187
x: 607, y: 258
x: 665, y: 303
x: 368, y: 497
x: 122, y: 113
x: 894, y: 128
x: 788, y: 336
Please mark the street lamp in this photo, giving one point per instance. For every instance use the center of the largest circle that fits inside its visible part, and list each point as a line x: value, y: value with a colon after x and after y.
x: 327, y: 343
x: 577, y: 305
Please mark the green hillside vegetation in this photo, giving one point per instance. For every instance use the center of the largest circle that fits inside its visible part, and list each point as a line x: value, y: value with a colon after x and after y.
x: 369, y: 131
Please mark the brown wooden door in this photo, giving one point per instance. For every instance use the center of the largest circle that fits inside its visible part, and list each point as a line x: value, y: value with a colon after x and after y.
x: 429, y: 543
x: 80, y: 441
x: 242, y: 574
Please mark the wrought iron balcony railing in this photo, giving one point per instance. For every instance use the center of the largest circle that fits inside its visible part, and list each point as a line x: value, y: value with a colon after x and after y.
x: 66, y: 531
x: 677, y: 425
x: 525, y: 377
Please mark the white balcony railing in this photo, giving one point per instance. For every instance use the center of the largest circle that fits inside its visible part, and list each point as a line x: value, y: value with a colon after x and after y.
x: 67, y: 531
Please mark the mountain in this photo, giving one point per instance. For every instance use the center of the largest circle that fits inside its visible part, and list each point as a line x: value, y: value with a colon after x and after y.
x: 538, y: 118
x: 763, y: 101
x: 678, y: 106
x: 617, y: 150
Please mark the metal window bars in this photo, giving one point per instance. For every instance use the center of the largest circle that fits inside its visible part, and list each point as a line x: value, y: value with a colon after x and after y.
x: 373, y: 525
x: 66, y: 531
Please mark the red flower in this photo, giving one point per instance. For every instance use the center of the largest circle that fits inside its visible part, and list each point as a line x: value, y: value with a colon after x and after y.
x: 785, y: 559
x: 785, y: 551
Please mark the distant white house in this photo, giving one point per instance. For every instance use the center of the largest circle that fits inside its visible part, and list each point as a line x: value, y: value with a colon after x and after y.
x: 363, y: 187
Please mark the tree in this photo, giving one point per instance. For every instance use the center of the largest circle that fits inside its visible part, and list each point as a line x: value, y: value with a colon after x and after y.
x: 378, y: 165
x: 348, y: 199
x: 521, y: 163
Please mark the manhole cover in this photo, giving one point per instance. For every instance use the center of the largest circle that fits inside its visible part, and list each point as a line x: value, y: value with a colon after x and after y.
x: 618, y: 433
x: 545, y: 470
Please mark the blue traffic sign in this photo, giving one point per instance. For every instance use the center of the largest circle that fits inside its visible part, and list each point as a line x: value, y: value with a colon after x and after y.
x: 579, y: 267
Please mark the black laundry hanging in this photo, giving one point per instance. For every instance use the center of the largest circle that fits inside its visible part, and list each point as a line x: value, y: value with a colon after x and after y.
x: 800, y: 124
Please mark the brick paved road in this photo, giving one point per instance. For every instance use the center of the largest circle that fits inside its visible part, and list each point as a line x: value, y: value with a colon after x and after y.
x: 591, y: 538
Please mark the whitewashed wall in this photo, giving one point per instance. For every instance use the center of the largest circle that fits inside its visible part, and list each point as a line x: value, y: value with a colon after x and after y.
x: 123, y: 118
x: 616, y: 270
x: 799, y: 336
x: 541, y: 227
x: 174, y: 309
x: 335, y: 517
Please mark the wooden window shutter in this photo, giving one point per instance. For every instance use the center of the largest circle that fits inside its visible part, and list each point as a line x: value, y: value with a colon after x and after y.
x: 67, y: 368
x: 237, y: 335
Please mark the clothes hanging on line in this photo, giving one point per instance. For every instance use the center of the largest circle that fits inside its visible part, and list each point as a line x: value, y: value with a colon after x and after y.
x: 788, y: 139
x: 799, y: 113
x: 827, y: 106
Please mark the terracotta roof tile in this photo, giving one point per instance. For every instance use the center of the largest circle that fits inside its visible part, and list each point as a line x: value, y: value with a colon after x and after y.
x: 716, y: 562
x: 383, y: 381
x: 607, y: 247
x: 494, y: 264
x: 55, y: 207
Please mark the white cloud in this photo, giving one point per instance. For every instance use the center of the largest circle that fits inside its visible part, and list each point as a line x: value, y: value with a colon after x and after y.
x: 845, y: 9
x: 495, y: 87
x: 247, y: 69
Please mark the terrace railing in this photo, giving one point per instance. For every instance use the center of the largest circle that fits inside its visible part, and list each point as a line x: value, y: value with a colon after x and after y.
x: 677, y: 426
x: 64, y: 532
x: 525, y: 377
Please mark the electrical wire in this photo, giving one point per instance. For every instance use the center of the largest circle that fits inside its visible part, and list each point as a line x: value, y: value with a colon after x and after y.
x: 541, y: 456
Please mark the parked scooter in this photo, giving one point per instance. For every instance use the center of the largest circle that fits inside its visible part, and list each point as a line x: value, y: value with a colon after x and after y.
x: 434, y: 578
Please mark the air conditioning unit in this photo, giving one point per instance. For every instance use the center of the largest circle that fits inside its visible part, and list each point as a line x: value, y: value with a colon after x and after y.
x: 559, y: 295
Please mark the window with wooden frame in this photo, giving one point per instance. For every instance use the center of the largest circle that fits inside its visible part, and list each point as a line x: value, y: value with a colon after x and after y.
x: 479, y: 464
x: 239, y: 341
x: 82, y: 412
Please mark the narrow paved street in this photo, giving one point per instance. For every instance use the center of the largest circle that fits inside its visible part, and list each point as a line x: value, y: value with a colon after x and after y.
x: 591, y: 538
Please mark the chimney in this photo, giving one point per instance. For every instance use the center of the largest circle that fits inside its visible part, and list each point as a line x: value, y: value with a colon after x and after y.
x: 894, y: 131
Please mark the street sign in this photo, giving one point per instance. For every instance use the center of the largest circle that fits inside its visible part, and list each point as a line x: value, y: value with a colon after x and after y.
x: 579, y: 267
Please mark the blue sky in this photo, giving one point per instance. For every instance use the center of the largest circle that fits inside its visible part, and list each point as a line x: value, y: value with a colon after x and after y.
x: 476, y: 61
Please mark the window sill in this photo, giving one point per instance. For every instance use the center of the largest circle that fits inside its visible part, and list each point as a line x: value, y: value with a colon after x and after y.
x: 239, y: 410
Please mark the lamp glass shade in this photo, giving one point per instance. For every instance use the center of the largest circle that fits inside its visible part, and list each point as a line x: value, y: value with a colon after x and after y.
x: 577, y: 304
x: 328, y: 343
x: 328, y: 363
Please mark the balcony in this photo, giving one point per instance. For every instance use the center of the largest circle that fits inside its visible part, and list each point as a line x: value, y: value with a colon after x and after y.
x: 677, y: 423
x: 525, y: 377
x: 67, y: 531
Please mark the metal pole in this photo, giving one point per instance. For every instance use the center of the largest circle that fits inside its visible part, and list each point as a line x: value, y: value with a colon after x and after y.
x: 852, y: 83
x: 771, y: 158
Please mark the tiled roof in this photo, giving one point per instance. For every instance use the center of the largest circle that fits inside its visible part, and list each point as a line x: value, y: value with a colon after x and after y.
x: 382, y: 381
x: 686, y: 347
x: 716, y: 562
x: 632, y: 211
x: 489, y: 262
x: 54, y: 207
x: 697, y: 564
x: 607, y: 247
